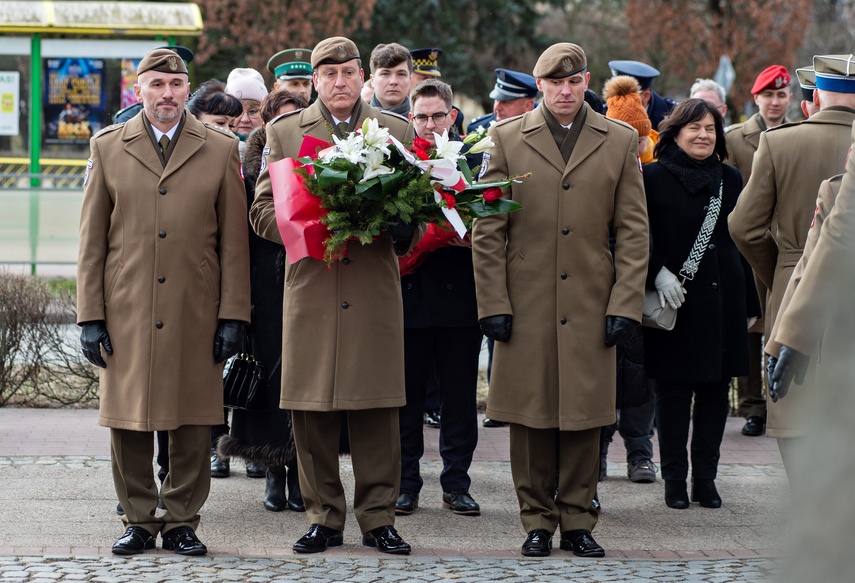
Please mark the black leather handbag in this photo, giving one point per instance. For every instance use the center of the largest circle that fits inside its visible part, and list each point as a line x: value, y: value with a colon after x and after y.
x: 245, y: 384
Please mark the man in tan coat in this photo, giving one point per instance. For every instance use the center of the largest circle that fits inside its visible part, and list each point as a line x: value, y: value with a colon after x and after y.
x: 555, y: 299
x: 771, y: 220
x: 163, y: 286
x: 772, y: 95
x: 343, y: 330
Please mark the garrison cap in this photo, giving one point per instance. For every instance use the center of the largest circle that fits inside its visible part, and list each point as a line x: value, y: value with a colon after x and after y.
x: 425, y: 61
x: 835, y: 73
x: 291, y: 64
x: 163, y: 61
x: 772, y: 77
x: 512, y: 85
x: 560, y: 60
x: 183, y: 52
x: 334, y: 51
x: 807, y: 81
x: 643, y: 73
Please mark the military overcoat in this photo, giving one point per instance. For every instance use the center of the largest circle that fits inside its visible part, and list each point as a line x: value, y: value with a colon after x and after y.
x: 163, y: 255
x: 343, y: 326
x: 742, y: 142
x: 549, y: 265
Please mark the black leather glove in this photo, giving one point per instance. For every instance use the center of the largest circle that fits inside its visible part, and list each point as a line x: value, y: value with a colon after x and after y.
x: 791, y: 366
x: 771, y: 362
x: 497, y: 328
x: 227, y: 339
x: 92, y: 336
x: 618, y: 330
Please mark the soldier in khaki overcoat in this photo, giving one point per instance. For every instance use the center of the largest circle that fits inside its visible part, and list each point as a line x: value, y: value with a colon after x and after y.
x: 163, y: 286
x: 555, y: 299
x: 772, y: 217
x: 342, y: 332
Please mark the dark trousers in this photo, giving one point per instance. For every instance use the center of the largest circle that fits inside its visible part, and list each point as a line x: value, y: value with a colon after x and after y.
x: 749, y: 389
x: 455, y: 352
x: 635, y: 425
x: 709, y: 415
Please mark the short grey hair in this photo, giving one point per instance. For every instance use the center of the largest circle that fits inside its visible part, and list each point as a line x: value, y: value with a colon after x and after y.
x: 708, y: 85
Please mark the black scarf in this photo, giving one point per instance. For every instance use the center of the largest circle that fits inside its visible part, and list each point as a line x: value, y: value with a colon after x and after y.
x: 696, y: 176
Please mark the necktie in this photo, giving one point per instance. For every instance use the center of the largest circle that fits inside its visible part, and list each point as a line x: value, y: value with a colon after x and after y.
x: 342, y: 128
x: 164, y: 143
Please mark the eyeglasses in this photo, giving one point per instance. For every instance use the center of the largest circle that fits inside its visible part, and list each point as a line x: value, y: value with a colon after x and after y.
x: 253, y: 112
x: 437, y: 118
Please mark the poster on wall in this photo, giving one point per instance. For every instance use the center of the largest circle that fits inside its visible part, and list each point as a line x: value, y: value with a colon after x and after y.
x: 75, y: 102
x: 129, y: 77
x: 10, y: 82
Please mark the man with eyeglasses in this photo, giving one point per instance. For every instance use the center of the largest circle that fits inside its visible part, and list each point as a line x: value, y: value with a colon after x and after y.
x: 342, y: 329
x: 441, y: 328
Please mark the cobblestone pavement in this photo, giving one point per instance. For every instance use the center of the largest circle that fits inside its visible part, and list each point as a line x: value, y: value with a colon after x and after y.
x: 152, y: 569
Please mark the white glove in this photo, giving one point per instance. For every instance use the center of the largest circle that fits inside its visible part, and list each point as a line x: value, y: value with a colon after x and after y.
x: 669, y: 289
x: 751, y: 321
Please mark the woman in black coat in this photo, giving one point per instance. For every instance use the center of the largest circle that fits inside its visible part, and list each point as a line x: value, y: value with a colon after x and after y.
x: 709, y: 343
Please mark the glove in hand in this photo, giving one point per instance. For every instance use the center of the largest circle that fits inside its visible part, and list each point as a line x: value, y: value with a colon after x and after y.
x: 92, y: 336
x: 791, y: 366
x: 669, y: 289
x: 497, y: 328
x: 227, y: 339
x: 618, y: 330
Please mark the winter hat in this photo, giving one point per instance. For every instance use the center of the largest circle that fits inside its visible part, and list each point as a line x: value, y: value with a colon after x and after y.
x: 623, y: 98
x: 246, y: 84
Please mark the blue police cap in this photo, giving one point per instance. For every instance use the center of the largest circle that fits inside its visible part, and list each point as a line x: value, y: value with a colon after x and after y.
x: 643, y: 73
x: 512, y: 85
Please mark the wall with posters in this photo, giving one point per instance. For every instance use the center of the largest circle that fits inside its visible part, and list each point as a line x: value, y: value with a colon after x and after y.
x: 10, y: 83
x: 74, y: 100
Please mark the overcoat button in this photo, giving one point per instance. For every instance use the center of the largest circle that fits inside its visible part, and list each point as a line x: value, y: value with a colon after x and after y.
x: 563, y: 320
x: 345, y: 305
x: 161, y: 279
x: 159, y: 325
x: 563, y: 276
x: 706, y: 207
x: 565, y: 186
x: 715, y: 286
x: 162, y: 234
x: 711, y: 247
x: 346, y: 260
x: 162, y: 190
x: 565, y: 231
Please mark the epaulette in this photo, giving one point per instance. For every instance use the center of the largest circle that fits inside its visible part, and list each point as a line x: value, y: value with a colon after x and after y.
x: 393, y: 114
x: 480, y: 118
x: 280, y: 116
x: 733, y: 127
x: 220, y: 129
x: 110, y: 128
x: 785, y: 125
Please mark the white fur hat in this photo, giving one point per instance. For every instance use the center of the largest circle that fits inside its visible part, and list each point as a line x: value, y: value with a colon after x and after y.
x: 246, y: 84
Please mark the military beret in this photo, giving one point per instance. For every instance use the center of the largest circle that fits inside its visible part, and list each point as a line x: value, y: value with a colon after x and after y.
x: 291, y: 64
x: 643, y: 73
x: 560, y: 60
x: 182, y: 52
x: 512, y: 85
x: 163, y: 61
x: 425, y: 61
x: 773, y: 77
x: 835, y: 73
x: 807, y: 81
x: 334, y: 51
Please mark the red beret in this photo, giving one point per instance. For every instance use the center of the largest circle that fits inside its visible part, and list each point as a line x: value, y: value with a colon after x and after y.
x: 774, y: 77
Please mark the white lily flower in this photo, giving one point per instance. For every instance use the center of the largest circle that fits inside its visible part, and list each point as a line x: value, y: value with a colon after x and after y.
x: 349, y: 148
x: 482, y: 145
x: 373, y: 134
x: 373, y: 161
x: 446, y: 148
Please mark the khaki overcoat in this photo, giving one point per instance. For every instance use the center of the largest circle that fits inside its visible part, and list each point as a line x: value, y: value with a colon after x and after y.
x: 742, y: 141
x: 163, y: 255
x: 343, y: 326
x: 549, y: 265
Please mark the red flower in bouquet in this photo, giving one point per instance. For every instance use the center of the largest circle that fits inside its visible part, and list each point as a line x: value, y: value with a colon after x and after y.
x: 492, y: 194
x: 449, y: 199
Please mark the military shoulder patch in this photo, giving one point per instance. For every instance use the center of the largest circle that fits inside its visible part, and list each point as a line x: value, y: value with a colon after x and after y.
x: 86, y: 174
x: 485, y: 164
x: 264, y: 154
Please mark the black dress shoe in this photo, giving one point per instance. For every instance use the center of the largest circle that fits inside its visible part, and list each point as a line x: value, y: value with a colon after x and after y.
x: 219, y: 466
x: 183, y: 541
x: 753, y: 426
x: 135, y: 540
x: 487, y: 422
x: 275, y: 499
x: 254, y: 470
x: 676, y: 495
x: 581, y: 543
x: 432, y: 419
x: 407, y: 502
x: 596, y: 503
x: 318, y: 539
x: 119, y: 509
x: 460, y: 502
x: 387, y: 540
x: 538, y: 543
x: 704, y: 493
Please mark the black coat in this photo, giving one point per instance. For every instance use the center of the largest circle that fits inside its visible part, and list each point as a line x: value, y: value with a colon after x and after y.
x: 710, y: 341
x: 441, y: 291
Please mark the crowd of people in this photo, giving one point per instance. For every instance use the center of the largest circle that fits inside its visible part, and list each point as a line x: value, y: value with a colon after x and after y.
x: 628, y: 192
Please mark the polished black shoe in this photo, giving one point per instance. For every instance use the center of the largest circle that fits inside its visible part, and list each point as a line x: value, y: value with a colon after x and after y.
x: 676, y: 495
x: 460, y: 502
x: 275, y: 499
x: 183, y: 541
x: 254, y: 470
x: 705, y: 494
x: 753, y: 426
x: 407, y: 502
x: 219, y: 466
x: 135, y: 540
x: 538, y: 543
x: 119, y: 509
x: 487, y: 422
x: 318, y: 539
x: 596, y: 503
x: 581, y: 543
x: 386, y: 540
x: 432, y: 419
